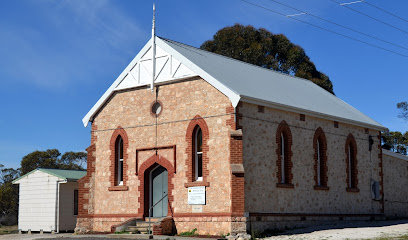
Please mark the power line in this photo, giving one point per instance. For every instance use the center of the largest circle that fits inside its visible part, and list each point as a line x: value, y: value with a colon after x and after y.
x: 226, y: 114
x: 337, y: 24
x: 376, y: 19
x: 328, y: 30
x: 372, y: 5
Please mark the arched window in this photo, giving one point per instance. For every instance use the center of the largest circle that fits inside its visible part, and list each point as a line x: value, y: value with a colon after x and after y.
x: 119, y: 160
x: 320, y: 147
x: 284, y: 163
x: 198, y: 150
x: 351, y: 161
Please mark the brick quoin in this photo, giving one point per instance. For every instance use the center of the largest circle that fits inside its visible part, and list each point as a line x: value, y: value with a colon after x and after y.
x: 198, y: 121
x: 284, y: 128
x: 236, y: 157
x: 84, y: 182
x: 354, y: 173
x: 114, y: 160
x: 319, y: 135
x: 144, y: 187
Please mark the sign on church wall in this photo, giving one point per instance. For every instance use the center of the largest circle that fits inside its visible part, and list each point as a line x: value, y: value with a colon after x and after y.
x: 196, y: 195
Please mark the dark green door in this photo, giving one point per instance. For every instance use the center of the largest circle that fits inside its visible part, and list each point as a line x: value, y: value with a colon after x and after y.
x: 159, y: 190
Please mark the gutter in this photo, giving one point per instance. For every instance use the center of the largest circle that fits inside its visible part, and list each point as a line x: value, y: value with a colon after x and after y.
x: 378, y: 127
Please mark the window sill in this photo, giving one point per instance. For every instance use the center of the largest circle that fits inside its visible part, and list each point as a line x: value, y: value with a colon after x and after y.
x: 285, y: 185
x: 196, y: 184
x: 118, y: 188
x: 324, y: 188
x: 356, y: 190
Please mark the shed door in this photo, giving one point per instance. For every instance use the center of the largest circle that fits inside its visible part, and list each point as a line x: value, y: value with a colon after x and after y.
x: 159, y: 190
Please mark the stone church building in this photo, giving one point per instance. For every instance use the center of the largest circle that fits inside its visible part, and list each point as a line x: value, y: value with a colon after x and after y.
x: 225, y: 146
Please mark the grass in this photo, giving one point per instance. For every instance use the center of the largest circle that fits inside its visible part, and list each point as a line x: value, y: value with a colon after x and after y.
x: 8, y: 229
x: 189, y: 233
x: 402, y: 237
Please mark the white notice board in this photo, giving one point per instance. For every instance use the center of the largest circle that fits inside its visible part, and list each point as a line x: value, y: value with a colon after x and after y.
x: 196, y: 195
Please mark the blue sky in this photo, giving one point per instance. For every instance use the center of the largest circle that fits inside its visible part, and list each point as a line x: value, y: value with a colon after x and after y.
x: 59, y: 57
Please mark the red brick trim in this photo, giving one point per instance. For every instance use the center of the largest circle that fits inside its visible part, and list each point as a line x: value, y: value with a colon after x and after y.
x: 381, y: 173
x: 256, y: 214
x: 354, y: 171
x: 284, y: 128
x: 319, y: 135
x: 174, y: 147
x: 285, y: 185
x: 113, y: 157
x: 235, y: 117
x: 324, y: 188
x: 84, y: 182
x: 143, y: 188
x: 192, y: 126
x: 118, y: 188
x: 196, y: 184
x: 221, y: 214
x: 355, y: 190
x: 111, y: 216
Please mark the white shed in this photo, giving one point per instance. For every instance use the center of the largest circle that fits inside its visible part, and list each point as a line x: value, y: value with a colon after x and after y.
x: 48, y: 199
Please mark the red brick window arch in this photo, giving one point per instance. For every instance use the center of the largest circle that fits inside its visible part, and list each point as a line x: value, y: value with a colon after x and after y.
x: 320, y: 159
x: 284, y: 155
x: 197, y: 136
x: 118, y: 158
x: 351, y: 163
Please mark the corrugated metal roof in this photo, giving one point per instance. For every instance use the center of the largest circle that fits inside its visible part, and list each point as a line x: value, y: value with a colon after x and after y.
x: 257, y: 83
x: 67, y: 175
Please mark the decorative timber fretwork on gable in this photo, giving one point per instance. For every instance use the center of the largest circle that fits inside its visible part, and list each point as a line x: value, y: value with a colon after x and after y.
x: 167, y: 68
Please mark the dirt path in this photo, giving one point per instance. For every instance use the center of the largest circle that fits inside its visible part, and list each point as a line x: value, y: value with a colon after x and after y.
x: 349, y: 230
x: 340, y: 231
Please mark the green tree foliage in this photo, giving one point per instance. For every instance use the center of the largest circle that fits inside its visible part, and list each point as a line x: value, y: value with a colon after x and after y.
x: 52, y: 158
x: 403, y: 106
x: 8, y: 196
x: 395, y: 141
x: 263, y: 48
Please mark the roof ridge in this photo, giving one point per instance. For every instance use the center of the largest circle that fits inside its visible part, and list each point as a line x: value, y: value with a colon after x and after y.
x: 84, y: 170
x: 253, y: 65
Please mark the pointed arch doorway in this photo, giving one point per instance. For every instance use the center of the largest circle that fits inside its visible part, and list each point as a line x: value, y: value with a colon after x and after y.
x: 158, y: 182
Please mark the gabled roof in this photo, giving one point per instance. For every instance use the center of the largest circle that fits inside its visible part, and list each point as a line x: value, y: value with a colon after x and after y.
x: 241, y: 81
x: 67, y: 175
x: 394, y: 154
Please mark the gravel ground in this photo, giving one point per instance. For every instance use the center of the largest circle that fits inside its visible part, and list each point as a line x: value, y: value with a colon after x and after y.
x: 349, y: 230
x: 343, y: 230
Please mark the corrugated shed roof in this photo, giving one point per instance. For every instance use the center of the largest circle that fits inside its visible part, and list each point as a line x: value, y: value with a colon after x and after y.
x: 67, y: 175
x: 257, y: 83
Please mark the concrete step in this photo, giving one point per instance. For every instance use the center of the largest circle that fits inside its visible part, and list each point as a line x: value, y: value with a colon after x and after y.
x: 131, y: 236
x: 143, y: 224
x: 153, y: 219
x: 138, y: 229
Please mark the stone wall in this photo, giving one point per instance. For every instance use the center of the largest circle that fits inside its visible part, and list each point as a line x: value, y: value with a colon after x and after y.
x: 131, y: 110
x: 395, y: 184
x: 265, y: 198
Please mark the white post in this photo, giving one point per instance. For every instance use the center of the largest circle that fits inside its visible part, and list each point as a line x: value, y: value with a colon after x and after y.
x: 153, y: 49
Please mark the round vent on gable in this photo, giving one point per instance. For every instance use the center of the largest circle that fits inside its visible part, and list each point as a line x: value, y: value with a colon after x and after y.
x: 156, y: 108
